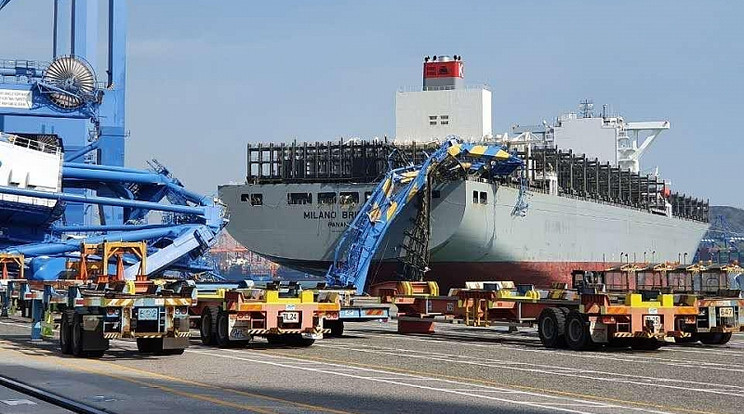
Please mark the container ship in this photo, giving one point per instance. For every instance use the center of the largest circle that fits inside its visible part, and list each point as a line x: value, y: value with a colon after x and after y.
x: 580, y: 201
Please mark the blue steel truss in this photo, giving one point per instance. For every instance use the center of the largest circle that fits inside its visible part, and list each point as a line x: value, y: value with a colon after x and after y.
x: 101, y: 200
x: 359, y: 243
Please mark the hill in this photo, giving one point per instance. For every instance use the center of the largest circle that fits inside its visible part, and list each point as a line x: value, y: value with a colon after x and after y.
x: 733, y: 216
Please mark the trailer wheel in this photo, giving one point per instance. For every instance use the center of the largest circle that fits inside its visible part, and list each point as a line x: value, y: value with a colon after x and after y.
x: 645, y: 344
x: 687, y: 340
x: 222, y: 334
x: 207, y: 325
x: 76, y: 336
x: 715, y: 338
x: 95, y: 354
x: 147, y: 345
x: 65, y: 333
x: 274, y: 339
x: 299, y: 341
x: 577, y: 336
x: 336, y: 327
x: 551, y: 328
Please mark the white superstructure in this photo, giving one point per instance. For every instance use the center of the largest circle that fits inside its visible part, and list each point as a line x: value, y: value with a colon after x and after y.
x: 444, y: 106
x: 606, y: 137
x: 31, y: 164
x: 422, y: 116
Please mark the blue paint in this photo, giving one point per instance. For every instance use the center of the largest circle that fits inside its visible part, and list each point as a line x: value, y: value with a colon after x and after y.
x: 101, y: 200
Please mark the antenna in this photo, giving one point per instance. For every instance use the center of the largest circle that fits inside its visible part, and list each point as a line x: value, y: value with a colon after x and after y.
x: 586, y: 108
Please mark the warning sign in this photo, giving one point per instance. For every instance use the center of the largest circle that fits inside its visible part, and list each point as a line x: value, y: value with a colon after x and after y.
x: 12, y: 98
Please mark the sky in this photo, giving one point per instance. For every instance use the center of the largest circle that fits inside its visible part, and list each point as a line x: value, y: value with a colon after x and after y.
x: 207, y: 77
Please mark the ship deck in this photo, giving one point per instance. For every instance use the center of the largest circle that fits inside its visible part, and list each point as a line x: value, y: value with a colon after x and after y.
x: 374, y: 369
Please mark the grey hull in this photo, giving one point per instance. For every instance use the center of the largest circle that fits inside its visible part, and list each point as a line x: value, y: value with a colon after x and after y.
x: 556, y: 234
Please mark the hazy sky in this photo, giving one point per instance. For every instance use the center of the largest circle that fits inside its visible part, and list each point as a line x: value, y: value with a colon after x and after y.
x: 205, y: 77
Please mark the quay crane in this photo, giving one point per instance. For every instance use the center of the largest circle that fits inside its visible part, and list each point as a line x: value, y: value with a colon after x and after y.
x: 62, y: 177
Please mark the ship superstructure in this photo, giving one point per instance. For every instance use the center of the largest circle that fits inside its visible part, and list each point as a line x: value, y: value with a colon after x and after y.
x: 564, y: 210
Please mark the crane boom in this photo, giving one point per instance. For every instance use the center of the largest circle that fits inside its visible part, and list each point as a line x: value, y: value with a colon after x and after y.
x: 358, y: 245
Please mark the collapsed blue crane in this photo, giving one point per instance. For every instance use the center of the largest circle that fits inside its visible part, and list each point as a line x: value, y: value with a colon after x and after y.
x: 360, y: 242
x: 63, y: 104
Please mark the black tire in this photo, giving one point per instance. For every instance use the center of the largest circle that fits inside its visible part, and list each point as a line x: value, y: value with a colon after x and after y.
x: 619, y: 343
x: 76, y: 336
x: 222, y: 334
x: 551, y: 328
x: 646, y: 344
x: 336, y: 327
x: 65, y: 334
x: 146, y: 345
x: 207, y: 325
x: 94, y: 354
x: 577, y: 334
x: 178, y: 351
x: 725, y: 338
x: 715, y: 338
x: 298, y: 341
x: 687, y: 340
x: 276, y: 339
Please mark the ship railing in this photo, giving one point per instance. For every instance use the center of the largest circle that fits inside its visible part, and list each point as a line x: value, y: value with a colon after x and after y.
x: 481, y: 86
x: 650, y: 209
x: 23, y: 64
x: 21, y: 71
x: 31, y: 143
x: 31, y: 201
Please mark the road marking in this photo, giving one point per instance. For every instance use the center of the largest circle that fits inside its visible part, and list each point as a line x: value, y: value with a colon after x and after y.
x: 604, y: 356
x: 79, y: 367
x: 62, y: 361
x: 13, y: 403
x: 499, y: 361
x: 528, y: 389
x: 543, y: 405
x: 554, y: 370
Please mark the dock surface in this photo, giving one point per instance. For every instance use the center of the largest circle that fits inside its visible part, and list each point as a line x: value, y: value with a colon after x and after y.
x: 374, y: 369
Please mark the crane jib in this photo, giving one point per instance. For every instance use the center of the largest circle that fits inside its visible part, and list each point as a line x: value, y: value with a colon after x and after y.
x: 454, y: 159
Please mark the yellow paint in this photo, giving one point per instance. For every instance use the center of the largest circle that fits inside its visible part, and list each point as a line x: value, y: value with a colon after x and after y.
x: 387, y: 188
x: 272, y: 296
x: 307, y: 296
x: 391, y: 210
x: 502, y: 155
x: 412, y: 192
x: 478, y: 150
x: 454, y: 150
x: 635, y: 300
x: 433, y: 288
x: 374, y: 214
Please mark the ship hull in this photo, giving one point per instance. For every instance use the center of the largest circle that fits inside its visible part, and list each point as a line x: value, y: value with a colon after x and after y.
x: 476, y: 234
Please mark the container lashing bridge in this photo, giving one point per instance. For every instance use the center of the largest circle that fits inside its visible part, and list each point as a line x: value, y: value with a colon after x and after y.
x: 360, y: 242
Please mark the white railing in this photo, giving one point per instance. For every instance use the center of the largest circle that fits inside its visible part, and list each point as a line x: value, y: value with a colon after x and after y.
x: 31, y: 143
x: 445, y: 88
x: 33, y: 201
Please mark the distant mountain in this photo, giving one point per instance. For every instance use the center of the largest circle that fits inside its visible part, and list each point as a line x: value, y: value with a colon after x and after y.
x: 732, y: 216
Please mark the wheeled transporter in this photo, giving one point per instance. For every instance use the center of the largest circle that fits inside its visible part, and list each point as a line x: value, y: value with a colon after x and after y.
x: 97, y: 306
x: 233, y: 314
x: 712, y: 288
x: 353, y: 308
x: 581, y: 318
x: 158, y: 319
